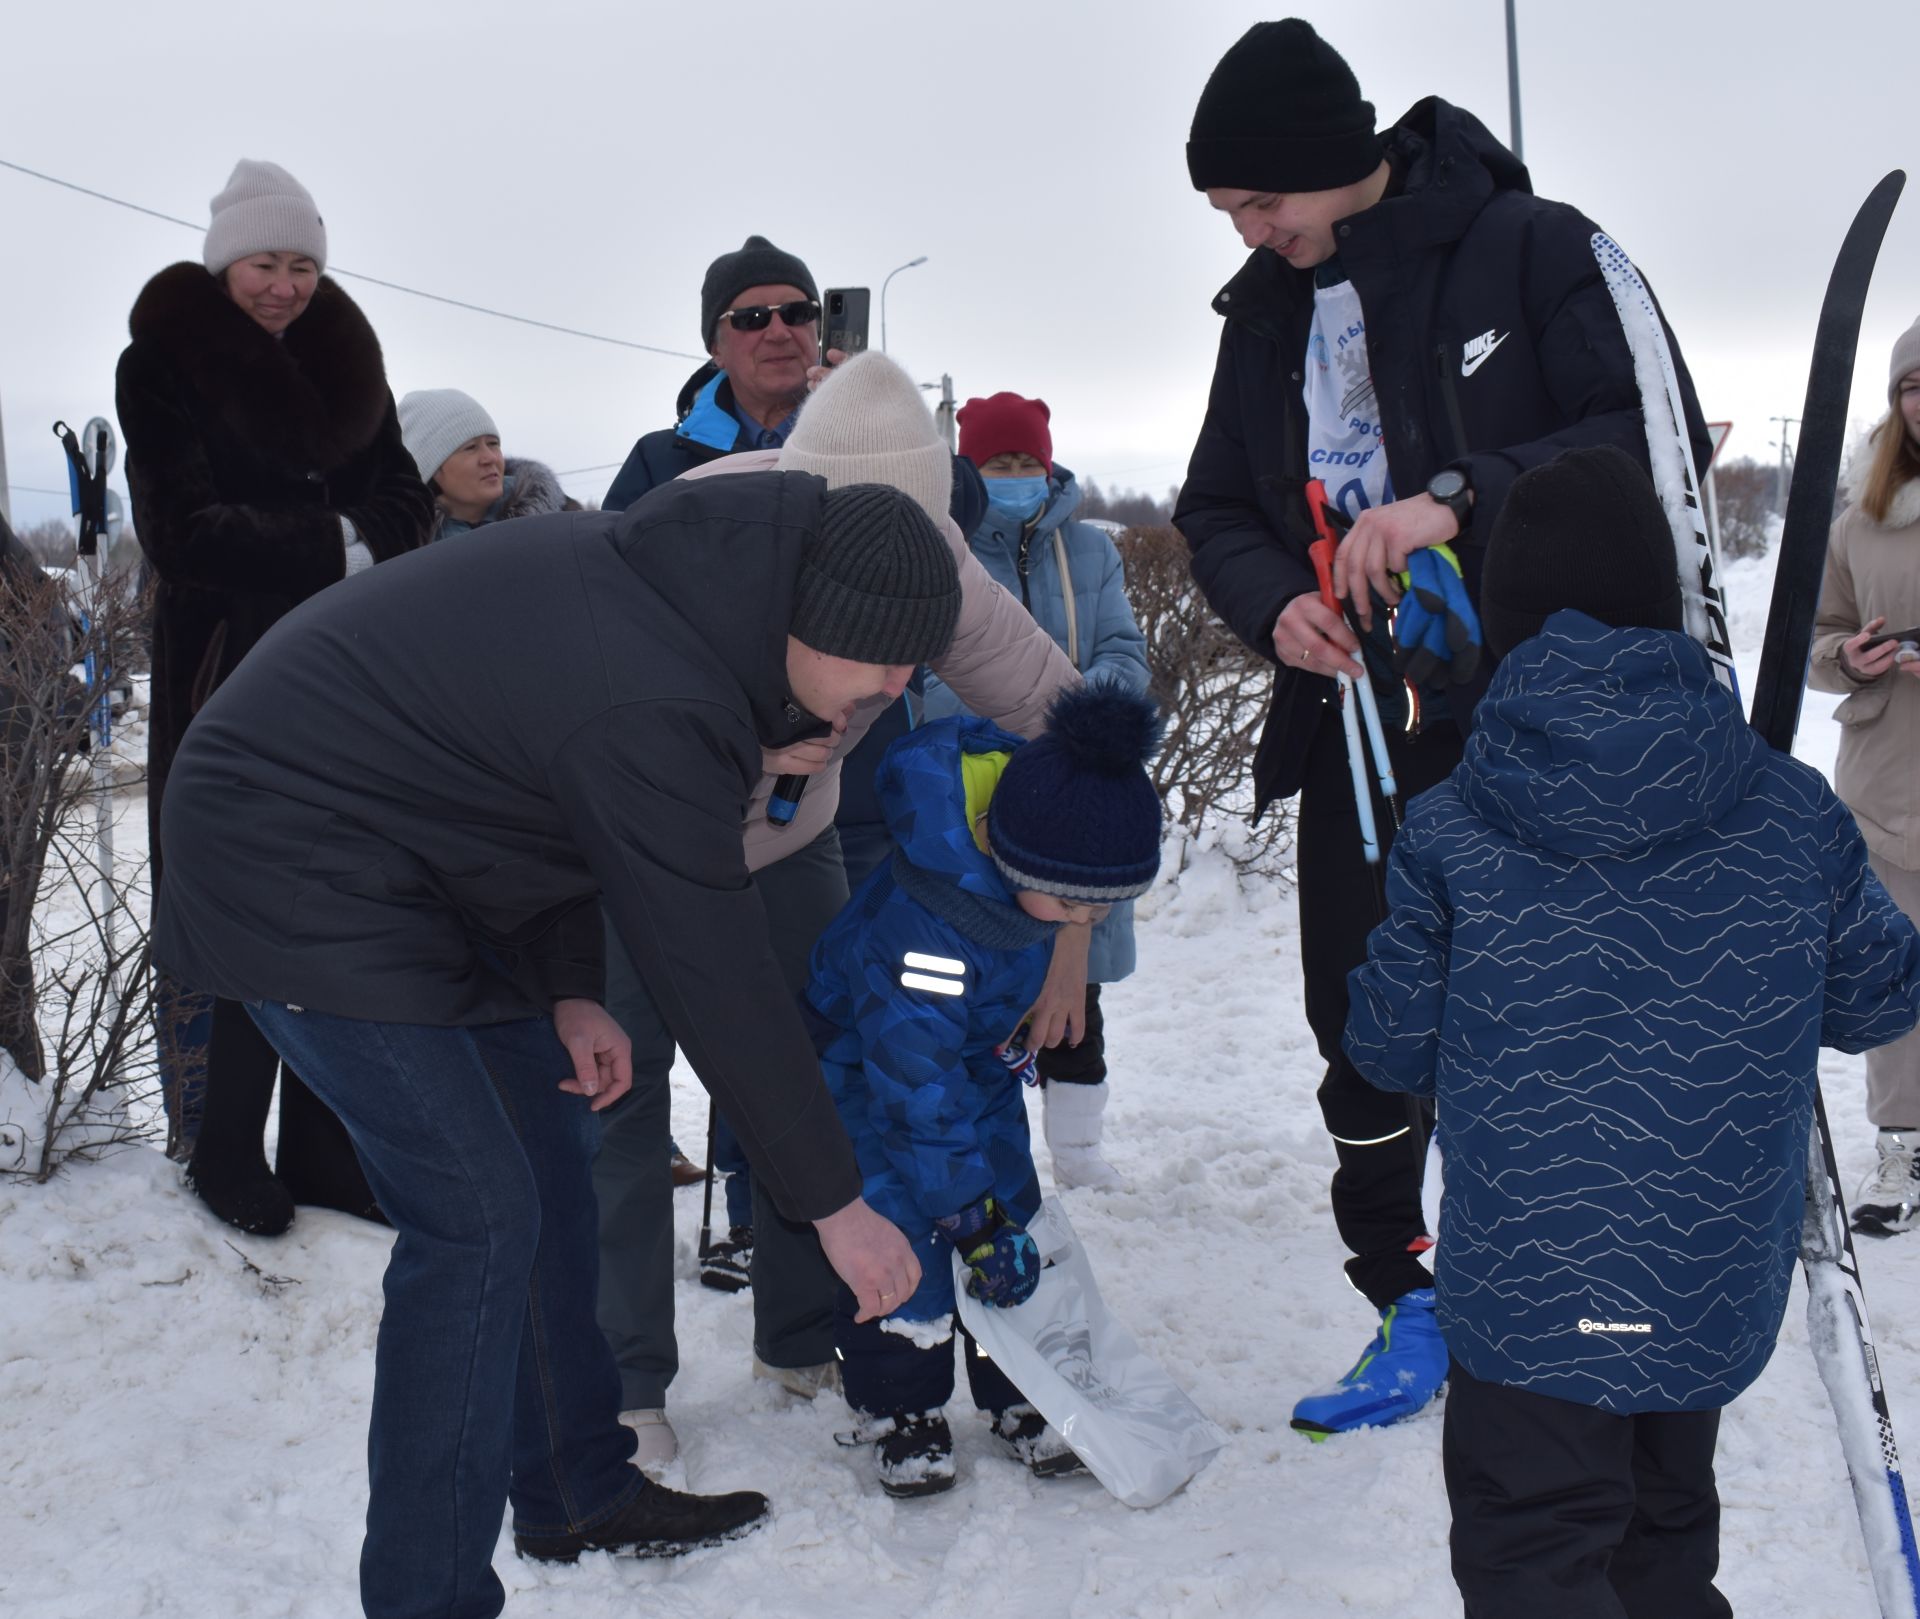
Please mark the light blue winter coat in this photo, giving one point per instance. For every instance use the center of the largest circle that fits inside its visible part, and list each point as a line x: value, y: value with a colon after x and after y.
x: 1100, y: 635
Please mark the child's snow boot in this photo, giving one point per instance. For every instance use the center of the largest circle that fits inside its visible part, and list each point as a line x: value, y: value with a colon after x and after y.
x: 727, y: 1266
x: 1031, y: 1439
x: 1401, y: 1371
x: 1889, y: 1200
x: 912, y: 1452
x: 1071, y: 1117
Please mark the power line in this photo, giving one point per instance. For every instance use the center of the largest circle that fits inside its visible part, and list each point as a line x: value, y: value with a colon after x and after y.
x: 604, y: 466
x: 358, y: 275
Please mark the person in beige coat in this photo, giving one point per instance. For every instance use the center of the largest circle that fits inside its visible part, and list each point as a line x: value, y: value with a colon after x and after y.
x: 865, y: 423
x: 1867, y: 644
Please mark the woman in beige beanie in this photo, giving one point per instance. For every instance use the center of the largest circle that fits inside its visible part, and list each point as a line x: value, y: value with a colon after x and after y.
x: 1868, y: 603
x: 265, y: 461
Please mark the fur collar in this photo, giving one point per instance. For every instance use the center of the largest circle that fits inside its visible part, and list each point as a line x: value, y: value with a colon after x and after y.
x: 1903, y: 511
x: 312, y: 398
x: 535, y: 492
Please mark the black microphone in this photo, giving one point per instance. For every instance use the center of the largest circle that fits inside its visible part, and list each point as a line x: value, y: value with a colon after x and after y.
x: 785, y: 802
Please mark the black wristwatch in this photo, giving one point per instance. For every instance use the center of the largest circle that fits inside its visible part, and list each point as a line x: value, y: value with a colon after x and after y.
x: 1451, y: 488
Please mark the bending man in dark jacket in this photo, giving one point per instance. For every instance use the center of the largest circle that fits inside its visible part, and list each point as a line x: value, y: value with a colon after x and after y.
x: 387, y: 833
x: 1415, y: 328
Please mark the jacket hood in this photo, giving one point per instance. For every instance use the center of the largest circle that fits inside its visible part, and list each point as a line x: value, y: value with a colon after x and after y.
x: 531, y: 491
x: 750, y: 531
x: 1450, y: 167
x: 318, y: 391
x: 1594, y: 741
x: 923, y: 795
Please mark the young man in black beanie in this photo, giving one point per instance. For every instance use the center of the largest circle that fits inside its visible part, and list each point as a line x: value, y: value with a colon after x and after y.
x: 1415, y: 329
x: 1620, y: 933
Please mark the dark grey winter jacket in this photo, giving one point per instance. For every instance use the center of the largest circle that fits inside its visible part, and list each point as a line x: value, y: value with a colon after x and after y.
x: 404, y: 803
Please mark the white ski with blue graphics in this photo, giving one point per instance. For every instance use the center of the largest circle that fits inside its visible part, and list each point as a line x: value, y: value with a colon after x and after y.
x: 1671, y: 454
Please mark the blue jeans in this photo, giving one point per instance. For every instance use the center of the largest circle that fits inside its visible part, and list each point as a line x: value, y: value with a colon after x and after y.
x: 491, y: 1380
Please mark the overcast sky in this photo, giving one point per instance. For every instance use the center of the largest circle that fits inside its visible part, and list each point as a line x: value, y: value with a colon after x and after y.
x: 582, y: 163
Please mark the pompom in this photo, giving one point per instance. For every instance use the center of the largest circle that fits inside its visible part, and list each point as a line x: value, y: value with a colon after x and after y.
x: 1106, y: 727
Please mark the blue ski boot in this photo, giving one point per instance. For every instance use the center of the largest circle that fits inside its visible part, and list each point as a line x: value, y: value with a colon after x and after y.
x: 1401, y: 1371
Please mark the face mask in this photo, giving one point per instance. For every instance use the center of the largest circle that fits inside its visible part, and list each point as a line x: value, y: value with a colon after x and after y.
x: 1018, y: 498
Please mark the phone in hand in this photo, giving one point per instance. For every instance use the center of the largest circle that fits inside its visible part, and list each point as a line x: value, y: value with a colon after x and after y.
x: 843, y: 320
x: 1891, y: 635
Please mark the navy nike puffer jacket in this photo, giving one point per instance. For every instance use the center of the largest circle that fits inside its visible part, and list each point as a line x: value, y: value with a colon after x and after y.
x: 1620, y: 933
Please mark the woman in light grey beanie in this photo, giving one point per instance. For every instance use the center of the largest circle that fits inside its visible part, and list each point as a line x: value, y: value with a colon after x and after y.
x: 265, y: 460
x: 455, y: 445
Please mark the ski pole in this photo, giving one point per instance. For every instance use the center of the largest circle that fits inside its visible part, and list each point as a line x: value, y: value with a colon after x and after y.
x: 1329, y: 523
x: 706, y: 1202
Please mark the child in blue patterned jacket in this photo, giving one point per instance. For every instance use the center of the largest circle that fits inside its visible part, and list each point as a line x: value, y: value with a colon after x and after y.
x: 920, y: 987
x: 1619, y: 934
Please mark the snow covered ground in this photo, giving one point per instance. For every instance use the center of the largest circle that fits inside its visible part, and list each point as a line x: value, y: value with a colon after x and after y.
x: 182, y: 1416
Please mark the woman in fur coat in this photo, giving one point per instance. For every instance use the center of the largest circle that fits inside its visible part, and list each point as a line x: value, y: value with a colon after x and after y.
x: 473, y: 481
x: 1867, y: 644
x: 265, y: 461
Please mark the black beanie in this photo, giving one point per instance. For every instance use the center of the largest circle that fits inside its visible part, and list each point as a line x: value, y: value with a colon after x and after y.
x: 878, y: 583
x: 1584, y: 531
x: 758, y: 264
x: 1282, y: 112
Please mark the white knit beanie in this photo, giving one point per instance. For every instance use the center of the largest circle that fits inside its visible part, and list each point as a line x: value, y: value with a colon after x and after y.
x: 264, y: 210
x: 867, y: 423
x: 434, y: 422
x: 1906, y: 358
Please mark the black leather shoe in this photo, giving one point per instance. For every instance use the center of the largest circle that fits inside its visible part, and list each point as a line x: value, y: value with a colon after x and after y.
x: 657, y: 1522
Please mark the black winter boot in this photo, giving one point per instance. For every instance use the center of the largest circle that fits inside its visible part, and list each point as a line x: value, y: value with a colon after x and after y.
x: 658, y: 1522
x: 726, y: 1265
x: 250, y: 1199
x: 1029, y: 1439
x: 912, y: 1451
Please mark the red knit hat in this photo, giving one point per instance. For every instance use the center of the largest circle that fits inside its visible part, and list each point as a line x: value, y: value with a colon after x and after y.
x: 1006, y: 423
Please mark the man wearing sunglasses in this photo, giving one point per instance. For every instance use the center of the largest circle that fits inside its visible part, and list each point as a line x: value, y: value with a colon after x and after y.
x: 760, y: 322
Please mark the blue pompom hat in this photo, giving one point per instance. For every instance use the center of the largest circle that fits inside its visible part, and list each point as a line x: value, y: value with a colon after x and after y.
x: 1075, y: 814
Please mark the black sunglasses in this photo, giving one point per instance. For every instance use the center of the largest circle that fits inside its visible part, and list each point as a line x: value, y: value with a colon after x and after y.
x: 757, y: 317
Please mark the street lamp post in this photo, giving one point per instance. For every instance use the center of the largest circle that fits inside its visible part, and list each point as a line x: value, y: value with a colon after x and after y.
x: 909, y: 265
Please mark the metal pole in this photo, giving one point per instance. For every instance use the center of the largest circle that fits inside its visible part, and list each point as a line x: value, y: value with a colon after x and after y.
x: 911, y: 264
x: 6, y: 511
x: 1513, y: 85
x: 945, y: 414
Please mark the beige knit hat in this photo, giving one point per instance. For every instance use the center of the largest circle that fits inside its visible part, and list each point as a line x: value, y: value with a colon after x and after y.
x: 1906, y: 358
x: 867, y: 423
x: 434, y: 422
x: 263, y: 210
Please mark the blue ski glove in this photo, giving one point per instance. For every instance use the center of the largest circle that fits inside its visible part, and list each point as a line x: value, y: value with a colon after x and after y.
x: 1435, y: 625
x: 1004, y: 1263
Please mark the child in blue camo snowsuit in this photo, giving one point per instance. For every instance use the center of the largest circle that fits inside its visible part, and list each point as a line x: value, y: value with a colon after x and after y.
x: 1620, y: 933
x: 920, y: 987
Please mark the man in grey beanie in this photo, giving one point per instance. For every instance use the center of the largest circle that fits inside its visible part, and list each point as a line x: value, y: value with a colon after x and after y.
x: 760, y: 325
x: 392, y: 833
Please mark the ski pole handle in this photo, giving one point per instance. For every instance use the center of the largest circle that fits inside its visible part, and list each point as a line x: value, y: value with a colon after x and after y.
x: 784, y: 803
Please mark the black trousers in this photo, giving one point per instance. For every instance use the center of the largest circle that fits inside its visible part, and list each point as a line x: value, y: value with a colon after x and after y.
x: 315, y: 1159
x: 1084, y: 1064
x: 1376, y: 1189
x: 884, y: 1374
x: 1571, y: 1512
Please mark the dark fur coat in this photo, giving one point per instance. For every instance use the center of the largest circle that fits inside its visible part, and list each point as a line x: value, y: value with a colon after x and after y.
x: 243, y: 453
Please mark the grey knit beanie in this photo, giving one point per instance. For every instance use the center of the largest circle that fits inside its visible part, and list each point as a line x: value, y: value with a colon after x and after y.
x: 877, y: 584
x: 434, y: 422
x: 263, y: 210
x: 868, y: 423
x: 758, y: 263
x: 1906, y: 358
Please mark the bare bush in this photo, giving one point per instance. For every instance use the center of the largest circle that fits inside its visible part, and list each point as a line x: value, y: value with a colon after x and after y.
x: 1215, y: 694
x: 1745, y: 493
x: 75, y: 1001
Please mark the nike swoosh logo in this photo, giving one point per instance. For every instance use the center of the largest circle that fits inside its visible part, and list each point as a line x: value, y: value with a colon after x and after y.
x: 1468, y: 367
